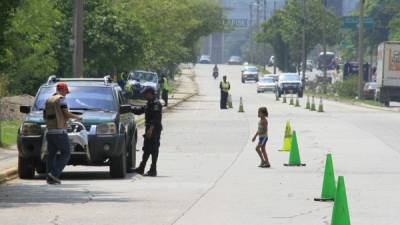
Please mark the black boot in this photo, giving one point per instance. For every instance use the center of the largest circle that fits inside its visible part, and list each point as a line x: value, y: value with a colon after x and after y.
x: 140, y: 169
x: 152, y: 172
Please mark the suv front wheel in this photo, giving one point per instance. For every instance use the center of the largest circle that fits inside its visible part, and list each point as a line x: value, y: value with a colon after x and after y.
x: 26, y: 168
x: 131, y: 159
x: 118, y: 164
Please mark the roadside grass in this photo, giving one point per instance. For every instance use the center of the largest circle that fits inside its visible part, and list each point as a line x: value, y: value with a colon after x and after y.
x: 9, y: 131
x: 263, y: 70
x: 344, y: 99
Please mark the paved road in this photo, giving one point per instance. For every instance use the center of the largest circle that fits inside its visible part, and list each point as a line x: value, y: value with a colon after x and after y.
x: 209, y: 174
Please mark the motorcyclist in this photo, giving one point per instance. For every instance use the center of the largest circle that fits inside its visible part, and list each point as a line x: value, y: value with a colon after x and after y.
x: 216, y: 70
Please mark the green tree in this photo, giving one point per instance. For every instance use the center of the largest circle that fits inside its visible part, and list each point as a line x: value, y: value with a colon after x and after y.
x: 394, y: 26
x: 29, y: 57
x: 7, y: 9
x: 382, y: 12
x: 174, y: 28
x: 284, y: 31
x: 114, y: 40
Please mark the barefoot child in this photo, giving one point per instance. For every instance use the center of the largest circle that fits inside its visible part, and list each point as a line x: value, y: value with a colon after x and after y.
x: 262, y: 134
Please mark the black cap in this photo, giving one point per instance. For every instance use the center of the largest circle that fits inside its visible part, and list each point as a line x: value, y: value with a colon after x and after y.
x: 148, y: 89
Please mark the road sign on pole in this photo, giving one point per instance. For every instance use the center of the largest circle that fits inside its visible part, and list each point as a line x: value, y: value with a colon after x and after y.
x: 352, y: 22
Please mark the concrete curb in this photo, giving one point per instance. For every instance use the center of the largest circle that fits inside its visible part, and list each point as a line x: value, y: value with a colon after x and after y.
x: 8, y: 174
x: 12, y: 173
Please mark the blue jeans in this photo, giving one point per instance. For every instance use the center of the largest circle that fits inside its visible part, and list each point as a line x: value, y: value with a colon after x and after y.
x: 57, y: 143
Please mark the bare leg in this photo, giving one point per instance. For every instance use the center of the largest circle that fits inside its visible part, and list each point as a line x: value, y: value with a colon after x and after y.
x: 264, y: 154
x: 258, y: 150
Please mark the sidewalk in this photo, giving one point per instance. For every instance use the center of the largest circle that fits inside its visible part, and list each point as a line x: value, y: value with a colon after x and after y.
x: 185, y: 88
x: 8, y: 163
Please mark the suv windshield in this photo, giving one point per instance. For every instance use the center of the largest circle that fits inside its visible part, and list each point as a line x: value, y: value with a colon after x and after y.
x: 289, y: 77
x: 144, y: 77
x: 252, y: 69
x: 80, y: 98
x: 267, y: 80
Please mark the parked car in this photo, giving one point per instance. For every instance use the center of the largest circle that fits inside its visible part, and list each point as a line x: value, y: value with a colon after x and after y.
x: 266, y: 84
x: 271, y: 61
x: 235, y: 60
x: 274, y: 76
x: 328, y: 59
x: 250, y: 73
x: 289, y: 83
x: 139, y: 80
x: 108, y: 136
x: 205, y: 59
x: 369, y: 90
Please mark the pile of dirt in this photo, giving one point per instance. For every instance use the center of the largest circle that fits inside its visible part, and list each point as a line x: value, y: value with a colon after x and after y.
x: 9, y: 106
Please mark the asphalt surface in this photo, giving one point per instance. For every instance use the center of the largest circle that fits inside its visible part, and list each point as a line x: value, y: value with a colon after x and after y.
x: 209, y: 175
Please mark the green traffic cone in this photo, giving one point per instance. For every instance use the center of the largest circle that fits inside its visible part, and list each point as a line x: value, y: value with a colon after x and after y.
x: 291, y: 100
x: 297, y: 102
x: 313, y: 104
x: 321, y: 106
x: 284, y: 99
x: 328, y: 185
x: 340, y: 214
x: 287, y: 138
x: 294, y: 157
x: 308, y: 105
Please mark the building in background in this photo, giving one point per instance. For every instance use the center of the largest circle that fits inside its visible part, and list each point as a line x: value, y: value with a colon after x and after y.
x: 336, y: 6
x: 349, y: 6
x: 220, y: 46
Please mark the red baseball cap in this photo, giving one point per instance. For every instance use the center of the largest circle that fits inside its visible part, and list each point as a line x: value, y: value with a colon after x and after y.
x: 61, y: 86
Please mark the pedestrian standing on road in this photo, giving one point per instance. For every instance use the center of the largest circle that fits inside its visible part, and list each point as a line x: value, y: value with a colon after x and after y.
x: 164, y: 90
x: 262, y: 134
x: 225, y: 86
x: 153, y: 117
x: 56, y: 114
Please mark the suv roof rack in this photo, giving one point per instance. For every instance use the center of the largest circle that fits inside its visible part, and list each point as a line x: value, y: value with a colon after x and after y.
x: 54, y: 79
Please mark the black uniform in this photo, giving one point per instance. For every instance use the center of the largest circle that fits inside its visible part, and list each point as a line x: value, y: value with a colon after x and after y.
x: 153, y: 117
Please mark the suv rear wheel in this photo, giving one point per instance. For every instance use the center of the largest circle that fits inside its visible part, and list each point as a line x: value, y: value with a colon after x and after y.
x: 118, y: 164
x: 26, y: 168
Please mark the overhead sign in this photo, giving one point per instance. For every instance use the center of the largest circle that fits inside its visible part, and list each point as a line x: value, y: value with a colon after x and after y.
x: 352, y: 22
x: 237, y: 23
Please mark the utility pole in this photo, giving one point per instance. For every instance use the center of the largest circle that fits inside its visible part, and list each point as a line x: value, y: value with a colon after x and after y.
x: 325, y: 63
x: 265, y: 45
x: 251, y: 33
x: 274, y: 52
x: 255, y: 52
x: 361, y: 49
x: 304, y: 59
x: 78, y: 39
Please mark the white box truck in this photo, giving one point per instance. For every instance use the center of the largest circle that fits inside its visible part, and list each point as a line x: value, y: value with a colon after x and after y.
x: 388, y: 72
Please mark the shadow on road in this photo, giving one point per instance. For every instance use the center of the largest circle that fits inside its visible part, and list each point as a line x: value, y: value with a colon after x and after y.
x: 36, y: 191
x: 20, y: 195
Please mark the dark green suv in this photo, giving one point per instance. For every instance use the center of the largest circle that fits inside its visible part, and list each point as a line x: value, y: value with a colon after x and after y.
x: 108, y: 134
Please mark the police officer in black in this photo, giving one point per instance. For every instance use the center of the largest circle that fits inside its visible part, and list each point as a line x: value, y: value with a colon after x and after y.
x: 153, y: 117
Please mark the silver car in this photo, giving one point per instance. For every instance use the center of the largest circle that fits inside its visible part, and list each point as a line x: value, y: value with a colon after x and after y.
x: 266, y: 84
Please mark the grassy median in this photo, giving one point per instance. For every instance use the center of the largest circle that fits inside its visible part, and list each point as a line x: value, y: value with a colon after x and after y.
x: 344, y: 99
x: 8, y: 132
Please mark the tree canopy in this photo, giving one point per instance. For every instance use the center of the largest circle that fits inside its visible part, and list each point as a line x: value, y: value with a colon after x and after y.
x: 284, y: 31
x: 119, y: 36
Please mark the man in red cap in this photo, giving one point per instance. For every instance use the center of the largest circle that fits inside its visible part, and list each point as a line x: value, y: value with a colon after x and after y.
x: 56, y: 114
